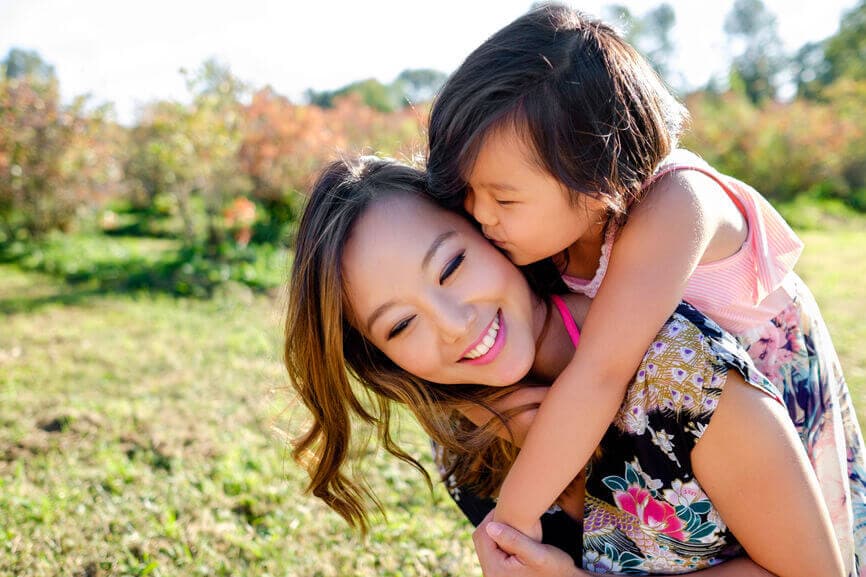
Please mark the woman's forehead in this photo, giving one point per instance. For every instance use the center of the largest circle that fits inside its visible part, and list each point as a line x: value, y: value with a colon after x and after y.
x: 406, y: 218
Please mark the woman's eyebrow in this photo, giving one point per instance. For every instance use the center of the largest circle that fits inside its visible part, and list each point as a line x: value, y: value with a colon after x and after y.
x: 435, y: 246
x: 428, y: 256
x: 377, y: 313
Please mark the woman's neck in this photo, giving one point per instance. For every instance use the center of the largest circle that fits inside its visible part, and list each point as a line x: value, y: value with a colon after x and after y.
x: 555, y: 349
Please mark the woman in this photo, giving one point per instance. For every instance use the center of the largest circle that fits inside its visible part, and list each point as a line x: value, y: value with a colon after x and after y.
x: 700, y: 466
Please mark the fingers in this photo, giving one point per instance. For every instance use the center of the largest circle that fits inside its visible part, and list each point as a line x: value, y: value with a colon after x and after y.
x: 493, y: 559
x: 513, y: 542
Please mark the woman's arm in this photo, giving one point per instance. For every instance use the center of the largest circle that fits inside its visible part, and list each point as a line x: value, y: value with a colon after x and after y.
x: 752, y: 466
x: 656, y: 253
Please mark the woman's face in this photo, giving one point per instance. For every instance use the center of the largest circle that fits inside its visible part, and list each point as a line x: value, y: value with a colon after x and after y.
x: 430, y: 292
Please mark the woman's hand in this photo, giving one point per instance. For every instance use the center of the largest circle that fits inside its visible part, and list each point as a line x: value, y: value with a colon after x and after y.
x: 506, y: 552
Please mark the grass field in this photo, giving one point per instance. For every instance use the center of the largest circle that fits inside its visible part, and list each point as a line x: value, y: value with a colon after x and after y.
x: 137, y: 437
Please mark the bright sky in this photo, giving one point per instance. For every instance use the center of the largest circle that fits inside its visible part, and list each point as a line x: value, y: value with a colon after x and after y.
x: 130, y: 52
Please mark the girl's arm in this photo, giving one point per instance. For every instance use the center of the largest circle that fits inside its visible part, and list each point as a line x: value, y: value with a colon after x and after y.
x: 752, y: 465
x: 657, y: 251
x: 531, y: 559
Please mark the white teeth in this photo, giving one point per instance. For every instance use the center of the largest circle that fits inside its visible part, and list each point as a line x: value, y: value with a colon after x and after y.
x: 484, y: 346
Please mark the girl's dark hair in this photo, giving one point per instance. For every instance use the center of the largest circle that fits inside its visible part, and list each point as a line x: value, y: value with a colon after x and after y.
x: 598, y: 117
x: 341, y: 377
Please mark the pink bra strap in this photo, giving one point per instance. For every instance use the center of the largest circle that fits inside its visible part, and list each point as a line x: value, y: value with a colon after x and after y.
x: 567, y: 319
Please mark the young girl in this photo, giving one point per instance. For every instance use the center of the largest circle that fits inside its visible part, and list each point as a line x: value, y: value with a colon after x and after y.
x: 395, y: 297
x: 550, y: 134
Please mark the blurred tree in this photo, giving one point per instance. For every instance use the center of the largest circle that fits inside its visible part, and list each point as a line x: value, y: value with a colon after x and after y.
x: 215, y: 129
x: 382, y: 97
x: 810, y: 70
x: 420, y: 84
x: 651, y: 35
x: 27, y: 64
x: 284, y: 144
x: 757, y: 69
x: 52, y: 162
x: 162, y: 160
x: 188, y: 151
x: 845, y: 52
x: 817, y: 65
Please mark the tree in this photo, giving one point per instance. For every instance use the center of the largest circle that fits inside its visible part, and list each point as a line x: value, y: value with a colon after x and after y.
x: 757, y: 68
x: 811, y: 71
x: 28, y: 64
x: 189, y: 151
x: 420, y: 84
x: 651, y: 35
x: 382, y: 97
x: 845, y: 52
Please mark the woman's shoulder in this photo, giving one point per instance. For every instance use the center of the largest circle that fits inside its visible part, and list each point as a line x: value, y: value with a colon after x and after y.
x: 684, y: 371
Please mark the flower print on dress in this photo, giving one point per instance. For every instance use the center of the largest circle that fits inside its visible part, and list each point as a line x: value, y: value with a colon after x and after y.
x: 654, y: 516
x: 772, y: 351
x: 664, y: 441
x: 684, y: 494
x: 596, y: 562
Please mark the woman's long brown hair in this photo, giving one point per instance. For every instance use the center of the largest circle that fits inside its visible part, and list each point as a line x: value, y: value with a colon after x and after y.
x: 340, y: 377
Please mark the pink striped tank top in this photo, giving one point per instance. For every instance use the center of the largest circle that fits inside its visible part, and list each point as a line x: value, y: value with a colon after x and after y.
x: 745, y: 289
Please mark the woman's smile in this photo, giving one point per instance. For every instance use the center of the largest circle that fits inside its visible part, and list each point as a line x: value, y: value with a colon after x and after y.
x: 489, y: 344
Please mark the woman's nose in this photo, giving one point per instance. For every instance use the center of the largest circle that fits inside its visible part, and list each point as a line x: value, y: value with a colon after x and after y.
x: 455, y: 320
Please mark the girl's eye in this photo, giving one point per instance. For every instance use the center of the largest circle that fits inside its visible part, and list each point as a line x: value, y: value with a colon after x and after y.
x: 504, y: 202
x: 452, y: 266
x: 399, y: 327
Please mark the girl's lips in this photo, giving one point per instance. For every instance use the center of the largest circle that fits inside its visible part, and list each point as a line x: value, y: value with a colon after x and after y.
x: 495, y: 349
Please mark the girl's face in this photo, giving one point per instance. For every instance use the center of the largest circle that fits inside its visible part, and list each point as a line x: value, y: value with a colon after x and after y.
x: 432, y: 294
x: 522, y: 208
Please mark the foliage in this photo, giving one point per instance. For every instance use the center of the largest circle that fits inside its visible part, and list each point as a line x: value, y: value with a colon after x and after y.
x: 420, y: 84
x: 102, y: 264
x: 27, y: 64
x: 55, y: 161
x: 284, y: 144
x: 756, y: 69
x: 650, y: 34
x: 193, y: 150
x: 412, y: 86
x: 845, y: 51
x: 785, y: 149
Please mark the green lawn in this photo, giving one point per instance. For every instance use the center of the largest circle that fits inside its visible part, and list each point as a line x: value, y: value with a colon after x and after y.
x: 138, y: 436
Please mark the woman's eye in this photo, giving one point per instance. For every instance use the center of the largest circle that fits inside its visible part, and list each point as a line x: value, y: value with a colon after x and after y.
x: 504, y: 202
x: 452, y: 266
x: 400, y: 327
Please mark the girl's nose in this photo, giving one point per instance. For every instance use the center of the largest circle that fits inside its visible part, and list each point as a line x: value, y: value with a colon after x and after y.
x: 480, y: 208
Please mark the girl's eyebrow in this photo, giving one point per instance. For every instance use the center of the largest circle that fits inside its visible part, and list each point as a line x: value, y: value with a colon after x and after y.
x: 428, y: 256
x: 498, y: 186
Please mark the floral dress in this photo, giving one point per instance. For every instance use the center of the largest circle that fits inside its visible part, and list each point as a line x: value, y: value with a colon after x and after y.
x: 644, y: 512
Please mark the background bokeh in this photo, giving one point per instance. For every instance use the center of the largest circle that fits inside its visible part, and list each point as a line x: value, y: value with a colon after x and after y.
x: 144, y: 244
